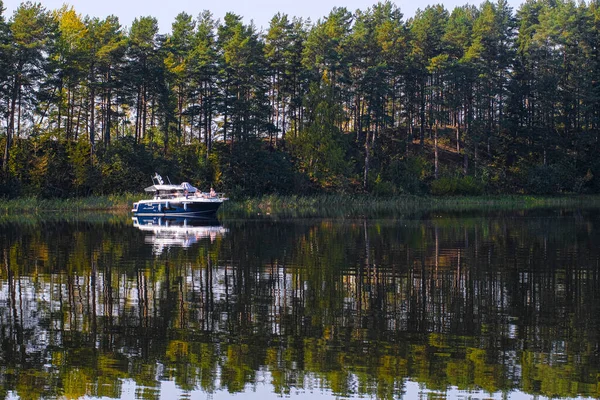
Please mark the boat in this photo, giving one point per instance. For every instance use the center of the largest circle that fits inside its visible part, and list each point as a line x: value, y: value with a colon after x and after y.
x: 166, y: 232
x: 183, y: 200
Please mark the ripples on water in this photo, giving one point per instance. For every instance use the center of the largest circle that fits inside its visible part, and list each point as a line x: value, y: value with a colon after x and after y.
x: 443, y: 306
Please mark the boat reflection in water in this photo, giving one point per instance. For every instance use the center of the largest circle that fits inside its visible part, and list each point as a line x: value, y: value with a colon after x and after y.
x: 164, y: 232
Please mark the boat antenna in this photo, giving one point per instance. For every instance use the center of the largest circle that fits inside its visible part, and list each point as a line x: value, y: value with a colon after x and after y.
x: 169, y: 180
x: 158, y: 179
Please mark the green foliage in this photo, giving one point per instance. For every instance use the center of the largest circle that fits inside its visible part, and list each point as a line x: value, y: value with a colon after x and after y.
x: 53, y: 175
x: 383, y: 188
x: 48, y: 172
x: 551, y: 179
x: 23, y: 161
x: 254, y: 169
x: 85, y: 175
x: 193, y: 166
x: 457, y: 186
x: 407, y: 175
x: 320, y: 147
x: 125, y: 167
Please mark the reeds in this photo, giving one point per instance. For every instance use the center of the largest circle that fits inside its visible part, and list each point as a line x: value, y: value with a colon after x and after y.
x: 314, y: 206
x: 377, y: 207
x: 36, y: 204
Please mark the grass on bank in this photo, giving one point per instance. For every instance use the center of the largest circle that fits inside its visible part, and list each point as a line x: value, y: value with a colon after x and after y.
x: 313, y: 206
x: 357, y: 205
x: 94, y: 203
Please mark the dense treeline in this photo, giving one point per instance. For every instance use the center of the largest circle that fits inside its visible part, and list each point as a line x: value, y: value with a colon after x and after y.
x: 473, y: 100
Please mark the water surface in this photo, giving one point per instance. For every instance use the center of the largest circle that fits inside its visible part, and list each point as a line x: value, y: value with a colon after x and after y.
x: 501, y: 305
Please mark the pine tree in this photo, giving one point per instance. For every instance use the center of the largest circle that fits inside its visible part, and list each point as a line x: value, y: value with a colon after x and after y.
x: 32, y: 31
x: 243, y: 74
x: 141, y: 72
x: 203, y: 70
x: 179, y: 46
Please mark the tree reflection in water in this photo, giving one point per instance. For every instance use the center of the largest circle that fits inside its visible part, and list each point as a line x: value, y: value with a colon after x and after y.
x: 475, y: 303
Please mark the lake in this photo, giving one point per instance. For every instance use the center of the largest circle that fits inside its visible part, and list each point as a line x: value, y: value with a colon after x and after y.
x: 441, y: 305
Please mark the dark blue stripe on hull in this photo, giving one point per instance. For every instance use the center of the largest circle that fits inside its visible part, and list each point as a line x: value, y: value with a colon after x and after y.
x: 178, y: 209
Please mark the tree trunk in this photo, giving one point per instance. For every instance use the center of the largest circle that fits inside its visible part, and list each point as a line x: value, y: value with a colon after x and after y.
x: 70, y: 111
x: 422, y: 117
x: 138, y: 116
x: 108, y: 111
x: 366, y: 171
x: 58, y: 120
x: 19, y: 102
x: 92, y: 116
x: 283, y: 115
x: 436, y: 155
x: 225, y: 114
x: 11, y: 121
x: 457, y: 135
x: 180, y: 111
x: 76, y: 133
x: 144, y: 109
x: 208, y: 122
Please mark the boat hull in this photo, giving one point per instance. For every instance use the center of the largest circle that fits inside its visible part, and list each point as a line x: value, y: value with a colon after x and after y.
x: 177, y: 208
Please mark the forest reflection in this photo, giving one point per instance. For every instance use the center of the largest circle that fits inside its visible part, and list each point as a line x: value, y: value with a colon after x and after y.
x: 497, y: 302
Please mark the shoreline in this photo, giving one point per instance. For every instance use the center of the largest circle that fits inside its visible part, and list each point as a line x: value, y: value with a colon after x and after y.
x: 314, y: 206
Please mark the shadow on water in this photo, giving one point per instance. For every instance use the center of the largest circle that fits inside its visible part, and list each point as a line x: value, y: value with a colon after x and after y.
x: 444, y: 304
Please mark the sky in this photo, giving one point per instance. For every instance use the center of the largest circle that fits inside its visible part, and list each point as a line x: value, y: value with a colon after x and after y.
x: 259, y: 11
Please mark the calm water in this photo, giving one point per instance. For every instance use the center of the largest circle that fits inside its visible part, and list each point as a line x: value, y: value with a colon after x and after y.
x: 503, y: 305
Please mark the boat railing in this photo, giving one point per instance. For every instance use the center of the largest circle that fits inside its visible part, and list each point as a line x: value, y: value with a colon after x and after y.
x: 190, y: 195
x: 208, y: 195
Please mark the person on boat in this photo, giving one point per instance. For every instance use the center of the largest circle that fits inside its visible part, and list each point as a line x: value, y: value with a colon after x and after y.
x: 212, y: 192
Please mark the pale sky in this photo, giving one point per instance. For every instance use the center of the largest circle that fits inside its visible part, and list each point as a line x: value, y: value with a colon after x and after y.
x: 260, y: 11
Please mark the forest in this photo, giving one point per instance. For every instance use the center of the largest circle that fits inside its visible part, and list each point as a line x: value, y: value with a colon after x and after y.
x: 475, y: 100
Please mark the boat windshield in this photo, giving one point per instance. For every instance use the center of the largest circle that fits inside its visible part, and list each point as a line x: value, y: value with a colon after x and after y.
x: 172, y: 191
x: 166, y: 194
